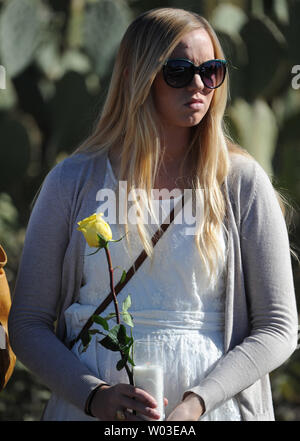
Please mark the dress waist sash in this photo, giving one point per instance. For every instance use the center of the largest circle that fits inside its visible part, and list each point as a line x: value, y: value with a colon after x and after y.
x: 76, y: 316
x: 188, y: 320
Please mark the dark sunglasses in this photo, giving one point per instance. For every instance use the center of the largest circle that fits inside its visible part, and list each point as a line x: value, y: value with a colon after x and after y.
x: 179, y: 72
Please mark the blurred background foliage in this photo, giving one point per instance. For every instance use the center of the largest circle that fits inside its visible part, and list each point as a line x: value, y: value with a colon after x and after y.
x: 58, y: 57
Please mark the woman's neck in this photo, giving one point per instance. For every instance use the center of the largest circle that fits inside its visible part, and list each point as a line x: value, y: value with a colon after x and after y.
x: 174, y: 143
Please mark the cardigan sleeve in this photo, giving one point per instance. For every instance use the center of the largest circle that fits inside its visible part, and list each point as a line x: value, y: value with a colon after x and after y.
x: 270, y: 291
x: 37, y: 296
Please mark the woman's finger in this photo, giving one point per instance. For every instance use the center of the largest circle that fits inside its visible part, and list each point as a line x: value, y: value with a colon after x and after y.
x: 139, y: 394
x: 139, y: 407
x: 130, y: 416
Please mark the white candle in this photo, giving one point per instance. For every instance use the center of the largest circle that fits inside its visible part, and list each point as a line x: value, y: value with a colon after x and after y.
x: 151, y: 379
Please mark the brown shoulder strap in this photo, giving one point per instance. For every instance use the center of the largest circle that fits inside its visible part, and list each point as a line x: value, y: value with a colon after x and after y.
x: 138, y: 262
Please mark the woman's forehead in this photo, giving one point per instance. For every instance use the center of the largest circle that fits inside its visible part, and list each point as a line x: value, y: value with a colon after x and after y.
x: 196, y: 46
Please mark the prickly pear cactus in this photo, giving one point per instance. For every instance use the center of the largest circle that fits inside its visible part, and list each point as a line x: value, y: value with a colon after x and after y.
x: 104, y: 24
x: 228, y: 18
x: 256, y: 130
x: 267, y: 65
x: 21, y: 23
x: 14, y: 152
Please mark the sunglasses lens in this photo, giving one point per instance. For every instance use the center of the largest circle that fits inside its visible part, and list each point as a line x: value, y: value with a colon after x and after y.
x: 178, y: 73
x: 213, y: 73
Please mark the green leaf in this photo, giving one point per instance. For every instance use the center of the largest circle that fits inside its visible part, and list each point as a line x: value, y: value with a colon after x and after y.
x: 123, y: 276
x: 101, y: 321
x: 127, y: 318
x: 116, y: 339
x: 121, y: 363
x: 130, y: 354
x: 85, y: 339
x: 110, y: 343
x: 126, y: 304
x: 130, y: 360
x: 122, y: 336
x: 110, y: 316
x: 127, y: 350
x: 95, y: 331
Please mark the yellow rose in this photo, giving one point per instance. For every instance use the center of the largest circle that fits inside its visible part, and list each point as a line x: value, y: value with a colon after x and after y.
x: 93, y: 225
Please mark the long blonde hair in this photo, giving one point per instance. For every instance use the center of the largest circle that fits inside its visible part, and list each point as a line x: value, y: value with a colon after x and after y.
x: 128, y: 119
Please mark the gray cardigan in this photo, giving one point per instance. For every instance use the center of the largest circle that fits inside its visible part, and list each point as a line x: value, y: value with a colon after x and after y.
x: 260, y: 316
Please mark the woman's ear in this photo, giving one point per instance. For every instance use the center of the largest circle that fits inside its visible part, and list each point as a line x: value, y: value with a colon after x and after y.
x: 126, y: 72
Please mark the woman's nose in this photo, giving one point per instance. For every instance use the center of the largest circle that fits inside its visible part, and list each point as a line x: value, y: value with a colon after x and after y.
x: 196, y: 83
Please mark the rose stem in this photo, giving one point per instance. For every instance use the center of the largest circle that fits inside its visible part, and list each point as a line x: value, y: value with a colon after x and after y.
x: 111, y: 273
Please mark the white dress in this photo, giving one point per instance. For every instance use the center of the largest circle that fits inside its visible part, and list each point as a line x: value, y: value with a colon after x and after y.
x: 172, y: 302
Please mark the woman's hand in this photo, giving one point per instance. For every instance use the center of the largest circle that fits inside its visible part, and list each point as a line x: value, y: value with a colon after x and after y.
x: 126, y: 398
x: 190, y: 409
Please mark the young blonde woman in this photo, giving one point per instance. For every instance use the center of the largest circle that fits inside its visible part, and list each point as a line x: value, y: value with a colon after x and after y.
x: 221, y: 300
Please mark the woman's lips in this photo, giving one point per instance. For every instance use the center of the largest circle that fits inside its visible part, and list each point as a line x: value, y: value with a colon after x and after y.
x: 195, y: 104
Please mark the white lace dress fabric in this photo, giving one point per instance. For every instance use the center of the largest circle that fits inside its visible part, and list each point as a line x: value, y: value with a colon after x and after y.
x: 172, y: 302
